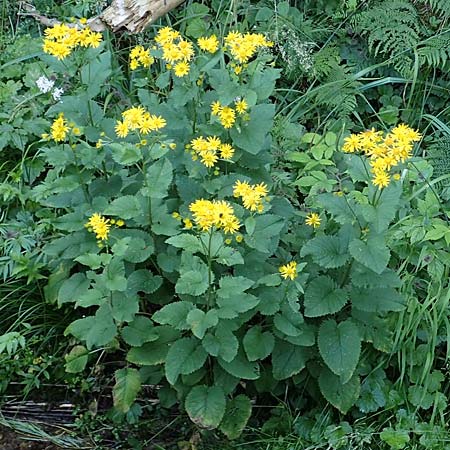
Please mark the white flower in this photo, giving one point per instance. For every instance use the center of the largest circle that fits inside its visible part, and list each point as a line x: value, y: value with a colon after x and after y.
x: 57, y: 92
x: 44, y: 84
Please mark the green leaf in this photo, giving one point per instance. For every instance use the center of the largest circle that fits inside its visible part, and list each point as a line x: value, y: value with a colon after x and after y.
x: 267, y: 226
x: 125, y: 153
x: 153, y: 353
x: 184, y: 357
x: 341, y: 396
x: 124, y: 307
x: 143, y: 280
x: 237, y: 413
x: 340, y: 347
x: 174, y: 314
x: 139, y: 332
x: 223, y: 343
x: 200, y: 322
x: 377, y: 299
x: 77, y: 359
x: 193, y: 282
x: 128, y: 384
x: 94, y: 261
x: 186, y: 241
x: 287, y: 323
x: 323, y: 296
x: 258, y: 345
x: 342, y: 208
x: 205, y: 406
x: 253, y: 135
x: 126, y: 207
x: 72, y: 288
x: 229, y: 256
x: 396, y: 439
x: 373, y: 254
x: 327, y: 251
x: 287, y: 360
x: 240, y: 367
x: 114, y: 275
x: 159, y: 177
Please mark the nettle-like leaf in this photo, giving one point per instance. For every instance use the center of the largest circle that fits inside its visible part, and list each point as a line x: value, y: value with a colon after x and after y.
x: 206, y: 405
x: 128, y: 384
x: 342, y: 208
x: 184, y: 357
x: 377, y: 299
x: 241, y: 367
x: 200, y: 321
x: 174, y: 314
x: 193, y: 282
x: 158, y: 179
x: 373, y: 253
x: 327, y: 251
x: 236, y: 416
x: 221, y: 342
x: 323, y: 296
x: 341, y: 395
x: 288, y: 360
x: 139, y: 331
x: 340, y: 347
x: 258, y: 345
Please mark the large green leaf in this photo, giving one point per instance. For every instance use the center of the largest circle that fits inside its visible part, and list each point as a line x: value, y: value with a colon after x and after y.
x: 258, y: 345
x: 125, y: 207
x: 377, y: 299
x: 193, y: 282
x: 223, y: 343
x: 373, y: 254
x: 205, y: 406
x: 267, y: 226
x: 77, y: 359
x: 187, y: 242
x: 287, y: 360
x: 125, y: 153
x: 184, y: 357
x: 323, y: 296
x: 342, y: 208
x: 237, y: 413
x: 327, y: 251
x: 124, y: 307
x: 72, y: 288
x: 128, y: 384
x: 158, y: 179
x: 174, y: 314
x: 241, y: 367
x: 200, y: 321
x: 139, y: 332
x: 340, y: 347
x: 341, y: 395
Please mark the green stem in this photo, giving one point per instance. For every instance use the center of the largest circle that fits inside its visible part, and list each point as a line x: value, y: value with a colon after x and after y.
x: 209, y: 270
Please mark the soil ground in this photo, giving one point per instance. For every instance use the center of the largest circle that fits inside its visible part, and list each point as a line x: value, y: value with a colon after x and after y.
x: 10, y: 441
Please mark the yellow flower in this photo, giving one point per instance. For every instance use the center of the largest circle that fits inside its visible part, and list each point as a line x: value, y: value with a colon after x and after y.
x: 214, y: 214
x: 396, y: 176
x: 241, y: 106
x: 227, y: 116
x: 252, y: 195
x: 59, y: 128
x: 352, y: 143
x: 121, y: 129
x: 181, y: 69
x: 239, y: 238
x: 381, y: 180
x: 120, y: 223
x: 289, y: 270
x: 216, y: 107
x: 208, y: 44
x: 99, y: 225
x: 244, y: 46
x: 226, y: 151
x: 188, y: 224
x: 313, y: 220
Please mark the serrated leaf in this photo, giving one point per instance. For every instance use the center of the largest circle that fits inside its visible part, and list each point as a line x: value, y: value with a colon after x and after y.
x: 223, y: 343
x: 174, y: 314
x: 193, y: 282
x: 258, y: 345
x: 341, y: 396
x: 340, y: 347
x: 241, y: 367
x: 77, y: 359
x: 373, y: 254
x: 200, y: 321
x: 377, y: 299
x: 187, y: 242
x: 128, y: 384
x: 72, y: 288
x: 124, y: 307
x: 396, y: 439
x: 327, y: 251
x: 139, y: 332
x: 237, y: 413
x: 287, y: 360
x: 184, y: 357
x: 229, y: 256
x: 205, y: 406
x: 287, y: 323
x: 126, y: 207
x: 323, y: 296
x: 342, y: 208
x: 125, y: 153
x: 159, y: 177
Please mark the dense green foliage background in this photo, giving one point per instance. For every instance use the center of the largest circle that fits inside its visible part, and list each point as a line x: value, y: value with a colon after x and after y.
x: 351, y: 353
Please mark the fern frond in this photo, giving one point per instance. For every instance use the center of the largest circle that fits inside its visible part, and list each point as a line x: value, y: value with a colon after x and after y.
x: 435, y: 52
x: 439, y: 158
x: 441, y: 7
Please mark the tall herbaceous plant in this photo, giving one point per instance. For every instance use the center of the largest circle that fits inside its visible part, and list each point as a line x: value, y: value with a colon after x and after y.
x: 176, y: 251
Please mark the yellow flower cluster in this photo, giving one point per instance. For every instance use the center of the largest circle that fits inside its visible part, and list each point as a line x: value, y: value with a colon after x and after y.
x: 59, y: 128
x: 208, y: 44
x: 217, y: 214
x: 138, y: 118
x: 101, y: 225
x: 252, y: 195
x: 139, y: 56
x: 226, y: 114
x: 61, y: 39
x: 209, y: 149
x: 244, y: 46
x: 384, y: 152
x: 177, y: 52
x: 313, y: 220
x: 289, y: 270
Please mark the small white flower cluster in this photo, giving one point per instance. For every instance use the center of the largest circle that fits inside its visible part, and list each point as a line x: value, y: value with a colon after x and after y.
x: 45, y: 85
x: 296, y: 53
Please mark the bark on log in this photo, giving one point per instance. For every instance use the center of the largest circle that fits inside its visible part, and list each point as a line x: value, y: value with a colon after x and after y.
x: 132, y: 15
x: 135, y: 15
